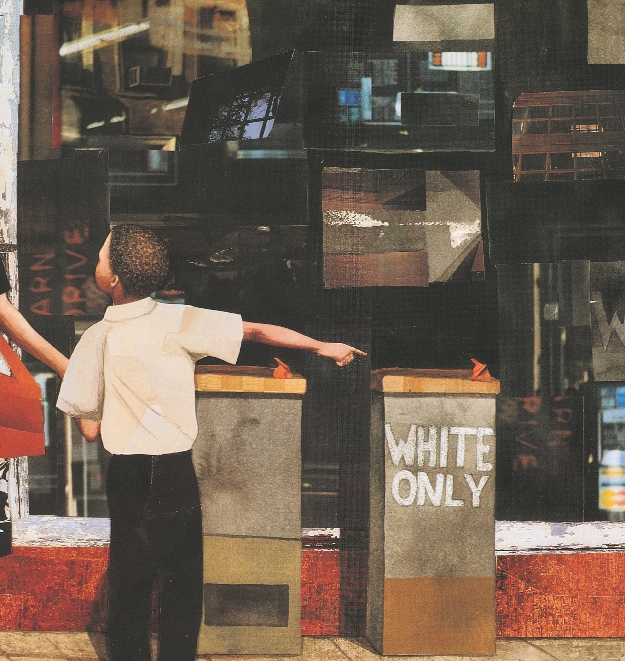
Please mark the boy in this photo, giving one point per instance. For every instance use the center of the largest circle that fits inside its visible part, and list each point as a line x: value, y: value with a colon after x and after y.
x: 131, y: 378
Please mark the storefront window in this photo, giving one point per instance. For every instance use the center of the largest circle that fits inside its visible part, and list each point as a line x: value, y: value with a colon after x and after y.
x: 68, y: 480
x: 547, y: 445
x: 559, y: 419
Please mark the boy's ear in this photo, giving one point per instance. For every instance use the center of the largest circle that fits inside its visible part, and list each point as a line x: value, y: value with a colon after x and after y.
x: 115, y: 281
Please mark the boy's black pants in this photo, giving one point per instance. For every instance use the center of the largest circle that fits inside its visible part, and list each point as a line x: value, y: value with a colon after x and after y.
x: 156, y: 532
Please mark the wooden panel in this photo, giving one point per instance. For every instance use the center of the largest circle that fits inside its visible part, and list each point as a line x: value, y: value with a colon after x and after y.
x: 439, y: 615
x: 210, y: 378
x: 432, y: 381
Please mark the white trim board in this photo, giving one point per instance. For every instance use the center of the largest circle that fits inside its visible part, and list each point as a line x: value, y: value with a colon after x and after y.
x: 61, y: 531
x: 532, y: 537
x: 511, y: 537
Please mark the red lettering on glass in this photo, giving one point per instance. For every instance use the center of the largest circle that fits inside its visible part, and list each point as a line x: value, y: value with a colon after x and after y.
x: 41, y: 307
x: 38, y: 285
x: 80, y: 259
x: 72, y: 295
x: 76, y: 235
x: 39, y: 264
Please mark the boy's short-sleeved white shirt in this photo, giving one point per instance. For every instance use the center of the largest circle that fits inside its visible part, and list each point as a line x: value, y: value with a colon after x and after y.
x: 134, y: 372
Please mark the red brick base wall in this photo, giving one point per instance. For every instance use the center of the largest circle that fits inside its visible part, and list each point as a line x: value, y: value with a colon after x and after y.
x: 321, y: 592
x: 574, y: 595
x: 53, y: 589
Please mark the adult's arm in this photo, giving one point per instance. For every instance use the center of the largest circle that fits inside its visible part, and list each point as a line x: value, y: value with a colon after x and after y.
x: 279, y: 336
x: 13, y: 323
x: 90, y: 429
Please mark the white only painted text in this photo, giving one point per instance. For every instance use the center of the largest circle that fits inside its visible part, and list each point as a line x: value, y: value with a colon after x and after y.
x: 429, y: 447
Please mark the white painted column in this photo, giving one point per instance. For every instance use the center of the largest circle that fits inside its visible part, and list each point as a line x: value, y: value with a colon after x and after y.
x: 10, y: 11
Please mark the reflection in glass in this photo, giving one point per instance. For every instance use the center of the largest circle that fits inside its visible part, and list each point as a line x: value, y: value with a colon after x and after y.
x: 614, y: 159
x: 607, y: 281
x: 230, y: 132
x: 610, y: 109
x: 561, y: 110
x: 259, y: 107
x: 561, y: 126
x: 236, y: 105
x: 589, y: 160
x: 537, y: 127
x: 68, y: 480
x: 384, y: 228
x: 126, y: 66
x: 612, y: 124
x: 245, y: 118
x: 562, y: 161
x: 586, y: 125
x: 603, y: 140
x: 222, y: 114
x: 586, y: 176
x: 587, y: 109
x: 253, y: 131
x: 545, y: 340
x: 533, y: 161
x: 538, y: 111
x: 396, y: 101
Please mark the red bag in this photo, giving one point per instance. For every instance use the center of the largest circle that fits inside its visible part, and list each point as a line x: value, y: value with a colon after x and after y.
x: 21, y: 418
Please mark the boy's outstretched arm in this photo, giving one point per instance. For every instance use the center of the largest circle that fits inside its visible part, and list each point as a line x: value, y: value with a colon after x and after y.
x: 279, y: 336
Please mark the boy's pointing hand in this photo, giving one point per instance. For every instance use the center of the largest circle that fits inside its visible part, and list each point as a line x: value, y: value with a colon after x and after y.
x: 342, y: 354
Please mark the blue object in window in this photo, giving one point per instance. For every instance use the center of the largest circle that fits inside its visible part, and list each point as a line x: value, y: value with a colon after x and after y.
x: 620, y: 397
x: 349, y: 97
x: 365, y: 98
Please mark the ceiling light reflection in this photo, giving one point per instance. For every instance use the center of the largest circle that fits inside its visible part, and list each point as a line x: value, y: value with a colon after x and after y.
x: 103, y: 38
x: 178, y: 103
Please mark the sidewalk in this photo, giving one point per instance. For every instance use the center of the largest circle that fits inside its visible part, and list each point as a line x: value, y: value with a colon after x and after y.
x: 43, y: 646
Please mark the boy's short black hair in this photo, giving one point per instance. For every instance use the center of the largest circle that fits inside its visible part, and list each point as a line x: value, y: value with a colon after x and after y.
x: 139, y: 258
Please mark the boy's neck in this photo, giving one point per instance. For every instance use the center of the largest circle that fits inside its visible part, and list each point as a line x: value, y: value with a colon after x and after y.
x: 120, y: 298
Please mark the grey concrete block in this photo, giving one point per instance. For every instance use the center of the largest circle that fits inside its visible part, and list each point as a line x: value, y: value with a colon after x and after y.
x: 248, y: 461
x: 451, y: 533
x: 432, y: 527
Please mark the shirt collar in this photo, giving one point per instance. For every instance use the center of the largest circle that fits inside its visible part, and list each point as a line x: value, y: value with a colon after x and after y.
x: 130, y: 310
